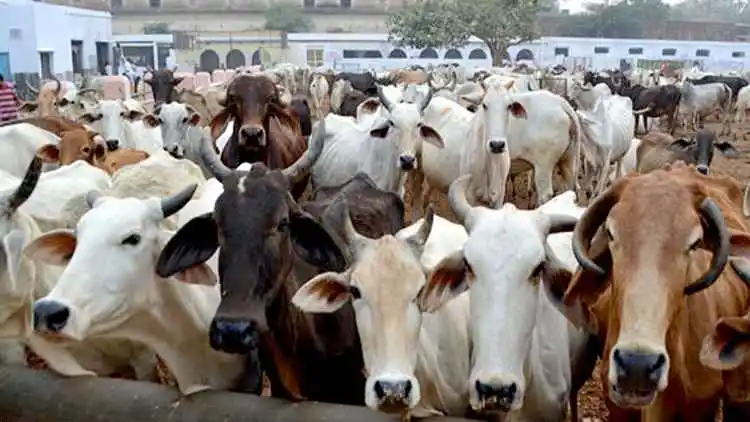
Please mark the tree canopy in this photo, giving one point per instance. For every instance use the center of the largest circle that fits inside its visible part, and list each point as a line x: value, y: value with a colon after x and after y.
x: 450, y: 23
x: 287, y: 17
x: 627, y: 19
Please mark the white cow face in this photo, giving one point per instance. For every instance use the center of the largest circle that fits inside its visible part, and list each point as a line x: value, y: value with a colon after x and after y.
x: 384, y: 285
x: 111, y: 118
x: 109, y: 266
x: 496, y: 107
x: 506, y: 254
x: 75, y: 103
x: 174, y: 119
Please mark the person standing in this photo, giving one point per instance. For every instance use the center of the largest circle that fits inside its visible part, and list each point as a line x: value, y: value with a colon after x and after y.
x: 9, y: 101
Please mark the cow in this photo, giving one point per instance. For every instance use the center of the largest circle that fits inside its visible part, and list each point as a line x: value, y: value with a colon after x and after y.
x: 205, y: 101
x: 586, y: 97
x: 590, y: 78
x: 163, y: 83
x: 363, y: 82
x: 656, y: 150
x: 649, y: 248
x: 320, y: 94
x: 351, y: 102
x: 742, y: 105
x: 699, y: 101
x: 654, y: 102
x: 302, y: 108
x: 179, y: 129
x: 264, y: 129
x: 65, y: 99
x: 514, y: 325
x: 735, y: 83
x: 317, y: 358
x: 120, y: 123
x: 384, y: 284
x: 19, y: 143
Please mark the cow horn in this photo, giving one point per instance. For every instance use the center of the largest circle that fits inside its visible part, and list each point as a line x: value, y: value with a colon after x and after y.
x: 383, y: 99
x: 353, y: 241
x: 31, y: 88
x: 58, y: 87
x: 172, y: 204
x: 745, y: 198
x: 642, y: 111
x: 26, y: 188
x: 211, y: 160
x: 426, y: 100
x: 302, y: 166
x: 418, y: 239
x: 457, y: 199
x: 222, y: 99
x: 717, y: 226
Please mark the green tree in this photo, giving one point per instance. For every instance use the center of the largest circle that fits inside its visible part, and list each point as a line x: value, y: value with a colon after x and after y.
x: 716, y: 10
x: 286, y: 17
x: 627, y: 19
x: 450, y: 23
x: 156, y: 28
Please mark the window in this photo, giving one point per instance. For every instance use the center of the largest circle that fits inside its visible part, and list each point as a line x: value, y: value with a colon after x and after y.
x: 154, y: 4
x: 76, y: 53
x: 397, y: 54
x: 362, y: 54
x: 315, y: 57
x: 309, y: 4
x: 428, y: 53
x: 346, y: 4
x: 477, y: 54
x: 738, y: 54
x: 453, y: 54
x: 668, y: 51
x: 562, y: 51
x: 635, y: 51
x: 45, y: 60
x: 702, y: 53
x: 601, y: 50
x: 115, y: 4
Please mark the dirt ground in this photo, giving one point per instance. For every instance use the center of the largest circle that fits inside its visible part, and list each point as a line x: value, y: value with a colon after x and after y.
x: 591, y: 398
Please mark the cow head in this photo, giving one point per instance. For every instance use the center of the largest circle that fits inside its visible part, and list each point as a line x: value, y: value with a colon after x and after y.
x: 174, y: 119
x: 259, y: 228
x: 112, y: 119
x: 162, y: 83
x: 250, y: 101
x: 125, y: 234
x: 651, y: 239
x: 502, y: 264
x: 75, y: 144
x: 46, y: 99
x: 404, y: 122
x: 384, y: 285
x: 496, y: 107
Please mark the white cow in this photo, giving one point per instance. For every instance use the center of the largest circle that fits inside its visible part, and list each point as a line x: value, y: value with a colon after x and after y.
x: 120, y: 123
x: 179, y: 130
x: 536, y: 129
x: 698, y: 101
x: 319, y: 92
x: 523, y: 349
x: 109, y: 289
x: 607, y: 131
x: 742, y: 104
x: 19, y: 143
x: 417, y: 363
x: 586, y: 96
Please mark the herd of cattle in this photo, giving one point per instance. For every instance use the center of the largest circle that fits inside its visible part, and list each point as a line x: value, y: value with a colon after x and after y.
x: 255, y: 227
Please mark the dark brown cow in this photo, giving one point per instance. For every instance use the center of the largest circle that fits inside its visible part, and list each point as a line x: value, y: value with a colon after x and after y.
x: 655, y: 101
x: 162, y: 85
x: 269, y: 245
x: 653, y: 284
x: 265, y: 130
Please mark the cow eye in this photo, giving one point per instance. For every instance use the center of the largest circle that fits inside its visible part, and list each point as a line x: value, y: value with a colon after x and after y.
x: 184, y: 120
x: 695, y: 245
x: 354, y: 291
x: 132, y: 240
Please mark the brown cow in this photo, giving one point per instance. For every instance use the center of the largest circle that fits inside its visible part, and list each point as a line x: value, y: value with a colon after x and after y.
x: 265, y: 130
x: 264, y: 236
x: 649, y: 247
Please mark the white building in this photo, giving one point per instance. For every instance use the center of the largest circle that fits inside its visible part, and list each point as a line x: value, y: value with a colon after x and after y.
x: 51, y: 39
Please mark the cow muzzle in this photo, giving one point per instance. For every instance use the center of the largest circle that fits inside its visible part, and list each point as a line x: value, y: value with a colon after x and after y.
x: 253, y: 136
x: 497, y: 395
x: 497, y: 146
x: 407, y: 162
x: 239, y: 336
x: 113, y: 144
x: 393, y: 395
x: 636, y: 376
x: 50, y: 317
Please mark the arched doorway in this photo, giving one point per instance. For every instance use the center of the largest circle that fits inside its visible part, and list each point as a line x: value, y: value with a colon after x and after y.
x: 525, y: 54
x: 453, y: 54
x: 235, y: 59
x: 397, y: 54
x: 428, y: 53
x: 477, y: 54
x: 209, y: 61
x: 257, y: 58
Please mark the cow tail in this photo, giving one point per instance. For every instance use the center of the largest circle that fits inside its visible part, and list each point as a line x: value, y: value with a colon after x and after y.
x: 728, y: 109
x: 576, y: 146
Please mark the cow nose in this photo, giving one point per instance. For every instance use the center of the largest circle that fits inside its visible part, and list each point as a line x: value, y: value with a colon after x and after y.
x: 497, y: 147
x: 50, y: 316
x: 637, y: 371
x: 393, y: 390
x: 497, y: 396
x: 407, y: 162
x: 233, y: 336
x: 112, y: 144
x: 702, y: 169
x: 254, y: 135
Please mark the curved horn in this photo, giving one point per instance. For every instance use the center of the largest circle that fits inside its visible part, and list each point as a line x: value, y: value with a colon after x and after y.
x: 92, y: 197
x: 26, y: 188
x: 211, y: 160
x: 58, y: 88
x: 383, y: 99
x: 172, y: 204
x: 31, y: 88
x: 745, y: 198
x: 353, y: 241
x: 302, y: 166
x: 714, y: 219
x: 642, y: 111
x: 418, y: 239
x: 222, y: 99
x: 457, y: 199
x: 426, y: 100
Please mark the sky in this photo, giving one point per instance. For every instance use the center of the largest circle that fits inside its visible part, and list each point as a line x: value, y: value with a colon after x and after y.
x: 578, y: 6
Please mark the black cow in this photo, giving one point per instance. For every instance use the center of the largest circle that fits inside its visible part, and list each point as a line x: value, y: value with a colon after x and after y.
x: 654, y: 102
x: 162, y: 84
x: 301, y: 106
x: 351, y: 101
x: 364, y: 82
x: 735, y: 83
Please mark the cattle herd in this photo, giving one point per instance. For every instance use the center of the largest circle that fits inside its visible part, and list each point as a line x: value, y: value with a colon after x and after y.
x: 256, y: 229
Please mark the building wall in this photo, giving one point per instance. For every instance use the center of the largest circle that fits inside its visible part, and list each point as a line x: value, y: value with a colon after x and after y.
x: 269, y: 53
x: 19, y: 21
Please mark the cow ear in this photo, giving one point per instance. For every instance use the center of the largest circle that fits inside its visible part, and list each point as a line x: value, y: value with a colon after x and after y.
x: 739, y: 242
x: 192, y: 245
x: 151, y: 121
x: 313, y: 243
x: 324, y: 293
x: 197, y: 274
x: 431, y: 136
x: 369, y: 105
x: 177, y: 81
x: 49, y: 153
x: 195, y: 118
x: 54, y: 248
x: 28, y: 106
x: 728, y: 345
x: 218, y: 122
x: 451, y: 277
x: 517, y: 110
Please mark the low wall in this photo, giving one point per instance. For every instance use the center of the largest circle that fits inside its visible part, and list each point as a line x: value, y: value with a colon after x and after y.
x: 39, y: 396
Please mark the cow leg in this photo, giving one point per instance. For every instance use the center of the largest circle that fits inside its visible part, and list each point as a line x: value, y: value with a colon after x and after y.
x: 543, y: 182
